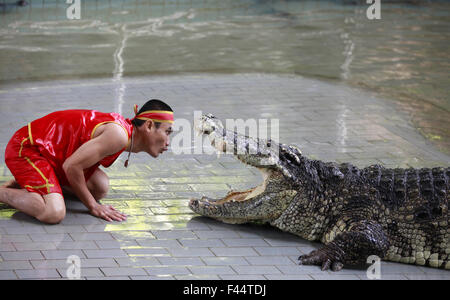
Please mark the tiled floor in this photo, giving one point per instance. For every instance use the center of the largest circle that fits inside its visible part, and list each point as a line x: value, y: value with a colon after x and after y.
x: 162, y: 238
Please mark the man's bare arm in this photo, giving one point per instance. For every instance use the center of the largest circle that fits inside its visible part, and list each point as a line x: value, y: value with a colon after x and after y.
x: 110, y: 140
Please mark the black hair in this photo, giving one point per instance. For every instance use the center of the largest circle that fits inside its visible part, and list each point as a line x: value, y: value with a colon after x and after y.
x: 153, y: 104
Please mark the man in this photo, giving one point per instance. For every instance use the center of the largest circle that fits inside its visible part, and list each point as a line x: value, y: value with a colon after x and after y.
x: 65, y: 149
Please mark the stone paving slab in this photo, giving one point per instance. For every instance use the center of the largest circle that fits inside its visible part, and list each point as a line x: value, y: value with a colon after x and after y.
x: 162, y: 238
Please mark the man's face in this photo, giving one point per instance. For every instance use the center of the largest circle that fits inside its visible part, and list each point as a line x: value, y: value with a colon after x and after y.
x: 158, y: 139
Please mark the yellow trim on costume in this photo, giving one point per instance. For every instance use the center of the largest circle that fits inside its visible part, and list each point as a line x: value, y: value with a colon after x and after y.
x: 21, y: 145
x: 47, y: 185
x: 37, y: 169
x: 29, y: 134
x: 99, y: 124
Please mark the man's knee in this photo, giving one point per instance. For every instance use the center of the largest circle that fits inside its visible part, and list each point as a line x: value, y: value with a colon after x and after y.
x: 100, y: 193
x: 99, y: 185
x: 54, y: 210
x: 100, y: 190
x: 52, y: 216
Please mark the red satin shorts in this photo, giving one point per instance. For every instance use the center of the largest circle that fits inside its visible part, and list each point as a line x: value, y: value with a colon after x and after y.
x: 30, y: 169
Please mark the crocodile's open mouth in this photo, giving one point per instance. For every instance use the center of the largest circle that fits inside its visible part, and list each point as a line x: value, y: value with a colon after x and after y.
x: 235, y: 204
x: 245, y: 195
x: 242, y: 196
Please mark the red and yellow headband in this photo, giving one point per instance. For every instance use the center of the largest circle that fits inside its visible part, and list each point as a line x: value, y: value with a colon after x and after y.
x: 160, y: 116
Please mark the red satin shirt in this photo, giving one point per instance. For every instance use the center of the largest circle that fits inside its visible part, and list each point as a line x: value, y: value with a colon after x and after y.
x: 56, y: 137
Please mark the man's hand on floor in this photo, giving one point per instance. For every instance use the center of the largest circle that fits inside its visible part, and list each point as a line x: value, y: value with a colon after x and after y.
x: 108, y: 213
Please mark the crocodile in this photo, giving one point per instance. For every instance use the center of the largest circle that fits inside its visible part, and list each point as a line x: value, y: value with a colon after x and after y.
x: 399, y: 215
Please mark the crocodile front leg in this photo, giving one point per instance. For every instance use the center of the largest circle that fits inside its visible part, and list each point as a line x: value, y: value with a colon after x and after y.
x: 361, y: 240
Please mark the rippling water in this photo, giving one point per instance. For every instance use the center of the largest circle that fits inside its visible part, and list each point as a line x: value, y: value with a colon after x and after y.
x: 404, y: 56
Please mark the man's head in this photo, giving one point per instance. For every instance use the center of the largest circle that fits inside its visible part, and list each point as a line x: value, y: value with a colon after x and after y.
x: 153, y: 125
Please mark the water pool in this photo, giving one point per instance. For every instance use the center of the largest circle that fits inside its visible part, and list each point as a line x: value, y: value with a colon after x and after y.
x: 403, y: 56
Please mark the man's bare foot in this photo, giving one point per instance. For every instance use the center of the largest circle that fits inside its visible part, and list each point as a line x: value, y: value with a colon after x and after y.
x: 12, y: 184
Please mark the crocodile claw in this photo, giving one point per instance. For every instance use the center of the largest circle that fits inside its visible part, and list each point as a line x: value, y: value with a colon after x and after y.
x: 320, y: 257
